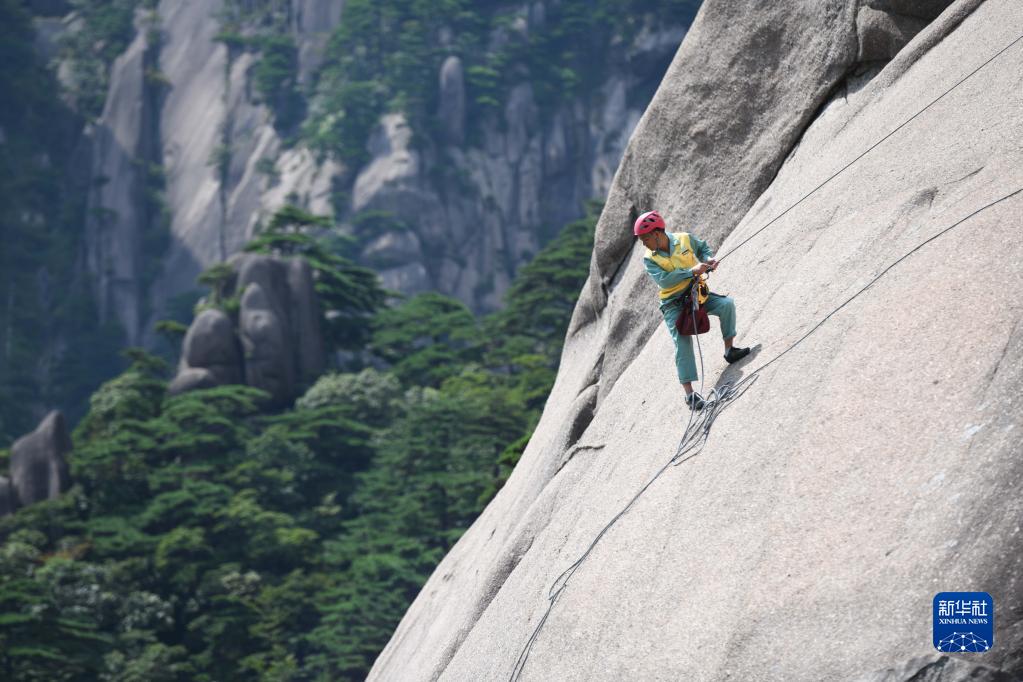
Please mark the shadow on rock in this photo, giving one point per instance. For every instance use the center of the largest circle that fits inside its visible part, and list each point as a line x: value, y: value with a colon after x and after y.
x: 733, y: 374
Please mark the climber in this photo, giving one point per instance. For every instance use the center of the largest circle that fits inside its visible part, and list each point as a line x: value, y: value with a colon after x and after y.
x: 673, y: 260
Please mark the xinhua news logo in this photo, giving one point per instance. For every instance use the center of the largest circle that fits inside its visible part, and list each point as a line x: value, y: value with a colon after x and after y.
x: 964, y: 622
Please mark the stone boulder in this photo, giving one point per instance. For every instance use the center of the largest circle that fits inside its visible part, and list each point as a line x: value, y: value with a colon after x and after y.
x: 264, y: 341
x: 210, y: 354
x: 884, y: 27
x: 269, y: 272
x: 191, y: 379
x: 39, y: 470
x: 283, y: 318
x: 276, y: 343
x: 304, y: 318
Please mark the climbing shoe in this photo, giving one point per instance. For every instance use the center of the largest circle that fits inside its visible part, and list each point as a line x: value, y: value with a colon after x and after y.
x: 735, y: 354
x: 695, y: 401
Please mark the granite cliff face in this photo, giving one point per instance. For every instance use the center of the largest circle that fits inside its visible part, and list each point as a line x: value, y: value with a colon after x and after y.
x: 871, y: 466
x: 189, y: 111
x: 499, y: 201
x: 182, y: 118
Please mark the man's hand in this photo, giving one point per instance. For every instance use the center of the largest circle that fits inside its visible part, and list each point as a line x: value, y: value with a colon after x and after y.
x: 712, y: 264
x: 700, y: 269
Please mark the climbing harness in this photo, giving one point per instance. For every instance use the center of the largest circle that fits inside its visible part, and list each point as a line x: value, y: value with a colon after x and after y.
x: 693, y: 319
x: 697, y: 430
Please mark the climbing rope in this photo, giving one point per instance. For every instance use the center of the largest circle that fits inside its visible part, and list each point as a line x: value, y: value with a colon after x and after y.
x: 869, y: 149
x: 698, y: 428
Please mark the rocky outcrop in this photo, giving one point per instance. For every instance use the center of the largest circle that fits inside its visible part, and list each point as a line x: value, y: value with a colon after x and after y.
x: 39, y: 469
x: 391, y: 185
x: 474, y: 212
x: 276, y: 344
x: 210, y: 354
x: 210, y: 141
x: 262, y: 330
x: 213, y: 134
x: 451, y: 110
x: 869, y: 467
x: 470, y: 210
x: 883, y: 27
x: 116, y: 217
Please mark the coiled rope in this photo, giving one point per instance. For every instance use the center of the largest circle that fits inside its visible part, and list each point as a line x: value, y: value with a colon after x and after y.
x: 698, y: 428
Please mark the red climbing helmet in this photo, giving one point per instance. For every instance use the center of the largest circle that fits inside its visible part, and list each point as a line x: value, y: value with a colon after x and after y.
x: 648, y: 222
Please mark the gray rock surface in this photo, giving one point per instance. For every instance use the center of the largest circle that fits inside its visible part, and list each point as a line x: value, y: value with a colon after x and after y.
x: 882, y: 34
x: 210, y: 343
x: 487, y: 212
x: 210, y: 354
x: 938, y: 668
x: 39, y: 469
x: 204, y: 118
x: 302, y: 177
x: 867, y: 469
x: 269, y: 272
x: 304, y: 321
x: 263, y: 333
x: 115, y: 216
x: 287, y: 294
x: 277, y: 343
x: 451, y: 109
x: 191, y: 379
x: 215, y: 140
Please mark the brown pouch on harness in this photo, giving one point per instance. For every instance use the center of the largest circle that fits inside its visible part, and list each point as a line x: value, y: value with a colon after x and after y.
x: 686, y: 324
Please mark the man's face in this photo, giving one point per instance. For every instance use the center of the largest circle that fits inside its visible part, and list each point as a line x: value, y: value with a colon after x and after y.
x: 650, y: 239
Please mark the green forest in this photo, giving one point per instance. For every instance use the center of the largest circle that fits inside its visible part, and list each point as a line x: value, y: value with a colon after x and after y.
x: 207, y: 539
x: 207, y: 536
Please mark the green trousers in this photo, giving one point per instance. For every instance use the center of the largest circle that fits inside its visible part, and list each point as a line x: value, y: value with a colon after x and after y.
x: 723, y: 307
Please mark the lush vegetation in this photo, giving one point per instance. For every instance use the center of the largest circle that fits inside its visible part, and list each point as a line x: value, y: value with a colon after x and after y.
x: 104, y: 29
x: 205, y: 539
x: 263, y: 27
x: 386, y: 55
